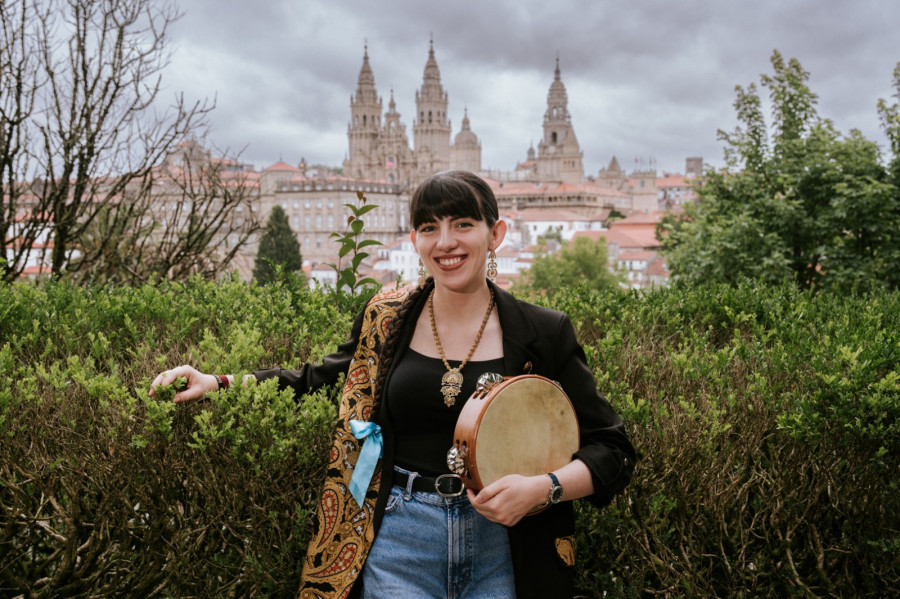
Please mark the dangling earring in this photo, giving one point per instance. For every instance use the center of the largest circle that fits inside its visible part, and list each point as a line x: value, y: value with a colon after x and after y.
x: 492, y: 266
x: 422, y: 273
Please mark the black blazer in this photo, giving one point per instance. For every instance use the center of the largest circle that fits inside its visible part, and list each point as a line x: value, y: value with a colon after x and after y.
x: 540, y: 341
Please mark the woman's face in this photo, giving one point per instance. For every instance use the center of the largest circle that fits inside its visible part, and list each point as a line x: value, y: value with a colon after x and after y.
x: 454, y: 250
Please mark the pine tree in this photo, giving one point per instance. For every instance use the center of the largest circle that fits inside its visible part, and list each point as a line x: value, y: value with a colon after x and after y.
x: 277, y: 247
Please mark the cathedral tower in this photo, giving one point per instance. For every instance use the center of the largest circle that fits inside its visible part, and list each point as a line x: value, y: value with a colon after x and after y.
x: 365, y: 121
x: 431, y: 129
x: 559, y: 156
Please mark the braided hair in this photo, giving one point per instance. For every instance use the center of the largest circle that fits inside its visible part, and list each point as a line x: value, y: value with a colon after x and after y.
x: 389, y: 347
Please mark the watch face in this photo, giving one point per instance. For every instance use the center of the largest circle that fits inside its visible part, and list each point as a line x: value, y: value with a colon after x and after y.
x: 556, y: 494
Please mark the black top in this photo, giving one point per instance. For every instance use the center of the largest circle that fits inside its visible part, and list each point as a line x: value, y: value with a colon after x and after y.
x: 422, y: 423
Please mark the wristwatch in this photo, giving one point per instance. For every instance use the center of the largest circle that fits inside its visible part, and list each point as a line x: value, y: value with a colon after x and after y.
x: 556, y: 490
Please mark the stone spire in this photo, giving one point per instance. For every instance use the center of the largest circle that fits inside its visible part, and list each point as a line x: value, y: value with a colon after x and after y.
x: 431, y: 130
x: 365, y: 87
x: 465, y: 123
x: 559, y: 155
x: 431, y: 80
x: 557, y: 100
x: 365, y: 120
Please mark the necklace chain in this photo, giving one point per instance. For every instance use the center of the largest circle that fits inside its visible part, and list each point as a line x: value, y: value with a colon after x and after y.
x: 451, y: 382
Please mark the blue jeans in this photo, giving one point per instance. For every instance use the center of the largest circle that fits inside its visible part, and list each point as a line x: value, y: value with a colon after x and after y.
x: 431, y: 546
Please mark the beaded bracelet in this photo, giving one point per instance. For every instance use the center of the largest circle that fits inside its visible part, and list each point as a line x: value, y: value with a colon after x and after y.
x: 222, y: 380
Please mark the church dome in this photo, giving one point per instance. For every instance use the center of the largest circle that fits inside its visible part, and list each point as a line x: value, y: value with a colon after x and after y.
x: 466, y: 137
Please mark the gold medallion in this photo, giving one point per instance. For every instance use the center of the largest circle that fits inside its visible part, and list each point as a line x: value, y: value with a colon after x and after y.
x: 451, y: 382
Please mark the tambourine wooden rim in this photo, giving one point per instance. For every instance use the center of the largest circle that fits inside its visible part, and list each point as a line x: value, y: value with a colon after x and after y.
x: 521, y: 425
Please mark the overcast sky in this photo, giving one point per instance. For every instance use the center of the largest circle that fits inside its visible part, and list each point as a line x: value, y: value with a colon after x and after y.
x: 648, y: 80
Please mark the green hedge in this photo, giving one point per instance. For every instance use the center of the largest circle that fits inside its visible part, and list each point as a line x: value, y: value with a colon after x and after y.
x: 766, y: 420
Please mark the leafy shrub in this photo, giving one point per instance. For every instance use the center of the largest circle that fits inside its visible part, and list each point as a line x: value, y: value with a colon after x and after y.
x: 766, y: 420
x: 767, y: 423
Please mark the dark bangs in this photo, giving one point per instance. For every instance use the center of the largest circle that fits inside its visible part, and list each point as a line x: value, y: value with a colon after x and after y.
x: 454, y: 194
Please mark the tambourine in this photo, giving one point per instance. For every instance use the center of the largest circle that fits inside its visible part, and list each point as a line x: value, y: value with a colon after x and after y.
x: 513, y: 425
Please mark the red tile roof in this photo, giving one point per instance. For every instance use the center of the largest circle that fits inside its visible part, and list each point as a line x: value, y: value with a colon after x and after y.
x: 670, y: 180
x: 638, y: 219
x: 537, y: 215
x: 635, y: 240
x: 657, y: 268
x: 281, y: 166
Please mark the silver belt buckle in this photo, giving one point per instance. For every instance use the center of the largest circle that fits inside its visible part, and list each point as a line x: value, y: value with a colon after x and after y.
x: 439, y: 485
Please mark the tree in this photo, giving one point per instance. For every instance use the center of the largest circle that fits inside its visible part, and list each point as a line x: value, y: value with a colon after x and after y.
x: 82, y: 143
x: 199, y: 214
x: 889, y: 115
x: 277, y: 248
x: 583, y: 261
x: 798, y: 201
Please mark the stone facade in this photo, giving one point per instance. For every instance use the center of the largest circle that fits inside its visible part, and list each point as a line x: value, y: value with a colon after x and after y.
x: 314, y: 200
x: 379, y: 146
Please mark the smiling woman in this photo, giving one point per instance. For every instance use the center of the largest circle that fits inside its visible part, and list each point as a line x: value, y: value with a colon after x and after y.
x: 454, y: 234
x: 412, y: 359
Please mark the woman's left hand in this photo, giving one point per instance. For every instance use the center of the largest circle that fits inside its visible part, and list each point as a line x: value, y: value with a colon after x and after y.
x: 508, y: 499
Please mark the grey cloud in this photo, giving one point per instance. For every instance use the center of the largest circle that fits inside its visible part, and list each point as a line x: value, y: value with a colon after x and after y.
x: 644, y: 79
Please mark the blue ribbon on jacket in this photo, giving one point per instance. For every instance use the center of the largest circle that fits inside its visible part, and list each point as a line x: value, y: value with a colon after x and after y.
x: 368, y: 457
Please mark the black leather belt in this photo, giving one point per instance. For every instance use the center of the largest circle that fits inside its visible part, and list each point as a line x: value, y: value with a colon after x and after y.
x: 445, y: 485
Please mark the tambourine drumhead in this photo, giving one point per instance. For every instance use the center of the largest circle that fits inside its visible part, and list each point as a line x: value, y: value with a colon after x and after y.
x: 524, y: 425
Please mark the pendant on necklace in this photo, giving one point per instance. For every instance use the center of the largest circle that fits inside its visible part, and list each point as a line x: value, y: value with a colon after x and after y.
x: 451, y: 383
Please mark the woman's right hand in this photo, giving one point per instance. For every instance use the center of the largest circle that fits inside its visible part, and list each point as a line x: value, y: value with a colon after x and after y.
x: 198, y: 384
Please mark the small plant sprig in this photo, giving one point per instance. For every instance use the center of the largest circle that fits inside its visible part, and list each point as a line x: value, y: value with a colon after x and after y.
x: 349, y: 276
x: 166, y: 393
